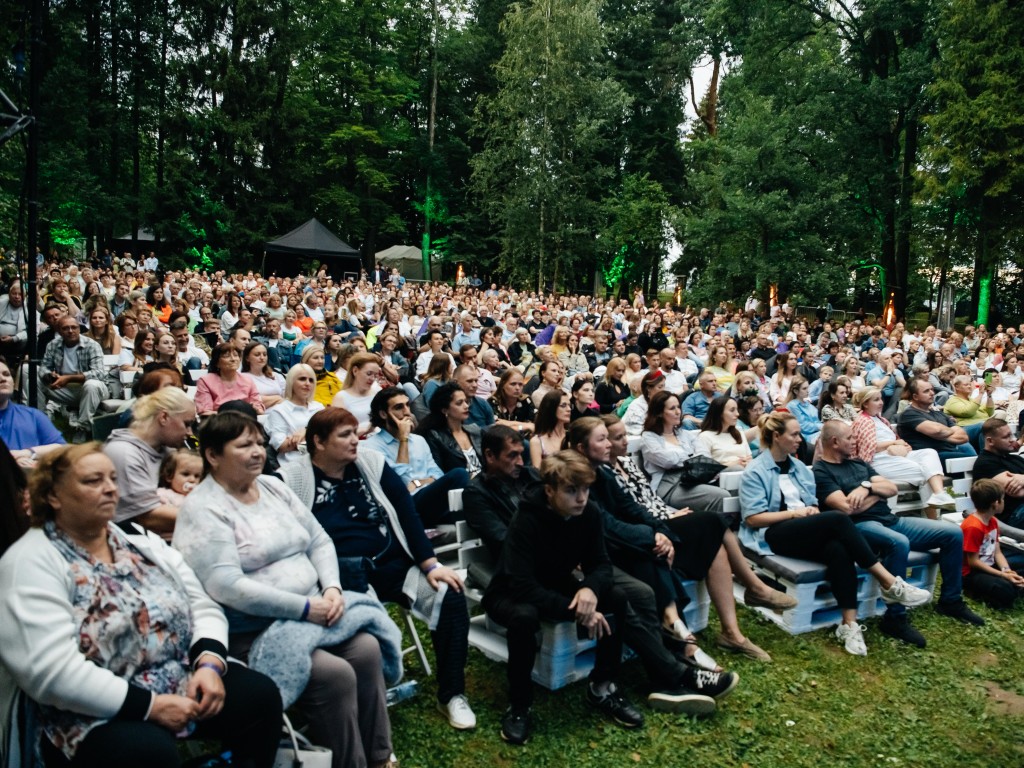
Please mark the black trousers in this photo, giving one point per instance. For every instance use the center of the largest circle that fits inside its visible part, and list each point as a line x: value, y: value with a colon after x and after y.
x: 637, y: 623
x: 450, y: 639
x: 830, y: 538
x: 249, y: 725
x: 995, y: 590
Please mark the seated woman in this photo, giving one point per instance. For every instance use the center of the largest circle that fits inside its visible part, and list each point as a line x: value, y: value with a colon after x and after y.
x: 439, y: 372
x: 612, y: 391
x: 724, y: 368
x: 269, y: 383
x: 804, y: 411
x: 553, y: 418
x: 158, y: 302
x: 225, y: 382
x: 835, y: 402
x: 852, y: 370
x: 751, y: 408
x: 777, y: 500
x: 327, y: 382
x: 876, y: 442
x: 165, y: 350
x: 453, y: 443
x: 649, y: 547
x: 25, y: 431
x: 510, y: 405
x: 721, y: 435
x: 634, y: 482
x: 145, y: 670
x: 286, y: 421
x: 365, y: 508
x: 260, y: 553
x: 361, y: 384
x: 101, y: 330
x: 666, y: 446
x: 785, y: 369
x: 572, y: 360
x: 551, y: 377
x: 141, y: 352
x: 583, y: 401
x: 635, y: 416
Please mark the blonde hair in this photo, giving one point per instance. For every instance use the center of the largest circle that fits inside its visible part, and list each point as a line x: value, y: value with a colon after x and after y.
x: 48, y: 474
x: 773, y: 424
x: 293, y: 373
x: 862, y: 396
x: 167, y: 400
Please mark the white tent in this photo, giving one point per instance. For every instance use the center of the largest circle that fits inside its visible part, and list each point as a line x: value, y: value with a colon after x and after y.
x: 408, y: 259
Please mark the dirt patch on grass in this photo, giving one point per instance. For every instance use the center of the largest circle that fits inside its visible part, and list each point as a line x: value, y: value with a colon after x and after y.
x: 987, y: 659
x: 1004, y: 702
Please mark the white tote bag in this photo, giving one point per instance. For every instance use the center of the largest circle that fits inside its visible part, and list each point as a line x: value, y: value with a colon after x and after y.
x: 296, y: 751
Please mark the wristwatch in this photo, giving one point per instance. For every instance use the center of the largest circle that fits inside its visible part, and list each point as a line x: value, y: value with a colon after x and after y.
x: 866, y: 484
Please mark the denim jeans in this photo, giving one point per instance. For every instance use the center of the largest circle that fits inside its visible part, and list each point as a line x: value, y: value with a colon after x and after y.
x: 894, y: 543
x: 961, y: 451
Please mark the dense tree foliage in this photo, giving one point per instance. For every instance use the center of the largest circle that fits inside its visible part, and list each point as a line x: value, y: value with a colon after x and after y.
x: 841, y: 151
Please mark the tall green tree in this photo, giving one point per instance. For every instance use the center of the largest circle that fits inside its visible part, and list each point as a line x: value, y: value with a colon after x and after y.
x: 977, y: 132
x: 546, y: 159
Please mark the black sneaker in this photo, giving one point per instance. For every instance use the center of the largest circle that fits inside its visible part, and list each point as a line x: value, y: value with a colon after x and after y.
x: 899, y: 627
x: 516, y: 726
x: 958, y: 610
x: 616, y: 707
x: 717, y: 685
x: 682, y: 701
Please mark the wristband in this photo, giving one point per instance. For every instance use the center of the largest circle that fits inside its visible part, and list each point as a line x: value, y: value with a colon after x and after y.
x: 210, y: 665
x: 435, y: 566
x: 305, y: 611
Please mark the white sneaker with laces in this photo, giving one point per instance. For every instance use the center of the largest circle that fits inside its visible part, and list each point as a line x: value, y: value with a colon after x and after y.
x: 906, y: 594
x: 941, y: 499
x: 460, y: 715
x: 852, y: 638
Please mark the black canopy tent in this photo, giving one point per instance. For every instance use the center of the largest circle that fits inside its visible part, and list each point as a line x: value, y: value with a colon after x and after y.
x: 311, y: 241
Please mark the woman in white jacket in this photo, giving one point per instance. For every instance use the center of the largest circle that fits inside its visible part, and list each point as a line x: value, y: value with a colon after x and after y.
x: 112, y: 635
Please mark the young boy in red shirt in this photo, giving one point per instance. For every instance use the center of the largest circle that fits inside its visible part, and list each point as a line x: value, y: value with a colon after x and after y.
x: 987, y: 573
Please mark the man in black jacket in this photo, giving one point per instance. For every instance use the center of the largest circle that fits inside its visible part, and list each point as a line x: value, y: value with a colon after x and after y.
x: 554, y: 533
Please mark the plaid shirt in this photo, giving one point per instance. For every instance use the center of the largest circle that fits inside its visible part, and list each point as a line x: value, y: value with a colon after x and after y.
x: 90, y: 358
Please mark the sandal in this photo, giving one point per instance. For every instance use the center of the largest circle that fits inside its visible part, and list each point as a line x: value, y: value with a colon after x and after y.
x: 700, y: 659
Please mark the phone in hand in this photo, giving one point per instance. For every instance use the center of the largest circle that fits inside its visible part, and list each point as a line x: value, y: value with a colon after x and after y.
x: 988, y: 379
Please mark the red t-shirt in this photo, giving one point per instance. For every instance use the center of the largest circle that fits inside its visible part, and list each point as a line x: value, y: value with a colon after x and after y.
x: 980, y: 538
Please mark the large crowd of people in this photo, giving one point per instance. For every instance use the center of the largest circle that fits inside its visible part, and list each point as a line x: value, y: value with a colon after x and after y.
x: 283, y: 457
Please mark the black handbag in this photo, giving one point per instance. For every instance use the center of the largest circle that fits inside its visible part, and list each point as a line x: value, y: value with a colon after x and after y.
x: 697, y: 470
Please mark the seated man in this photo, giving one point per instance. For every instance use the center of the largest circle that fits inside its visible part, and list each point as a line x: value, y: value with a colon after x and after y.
x: 998, y: 462
x: 480, y: 412
x: 555, y: 532
x: 849, y: 485
x: 492, y: 497
x: 189, y: 355
x: 72, y: 373
x: 695, y: 407
x: 923, y: 427
x: 409, y: 455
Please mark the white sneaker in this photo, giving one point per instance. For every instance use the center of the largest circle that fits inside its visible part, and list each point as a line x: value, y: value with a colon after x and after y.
x: 906, y: 594
x: 460, y: 715
x: 941, y: 499
x: 852, y: 638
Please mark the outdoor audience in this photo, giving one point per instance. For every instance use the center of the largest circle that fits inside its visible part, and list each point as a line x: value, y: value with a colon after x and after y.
x: 290, y: 563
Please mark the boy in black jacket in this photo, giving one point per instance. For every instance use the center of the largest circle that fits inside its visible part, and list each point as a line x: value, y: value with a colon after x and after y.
x: 555, y: 532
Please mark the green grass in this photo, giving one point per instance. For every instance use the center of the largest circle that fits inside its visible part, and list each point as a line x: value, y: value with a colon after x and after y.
x: 815, y: 705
